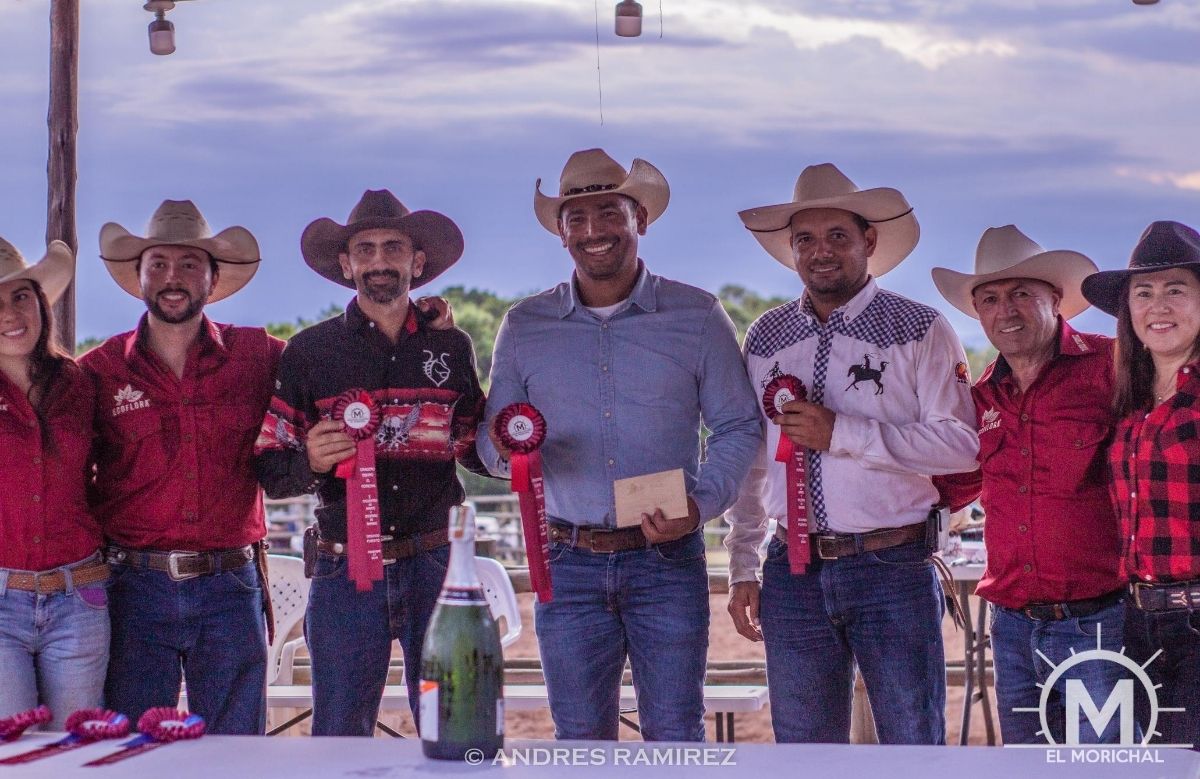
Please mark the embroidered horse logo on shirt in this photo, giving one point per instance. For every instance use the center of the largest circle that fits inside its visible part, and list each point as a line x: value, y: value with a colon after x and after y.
x: 865, y: 372
x: 436, y: 369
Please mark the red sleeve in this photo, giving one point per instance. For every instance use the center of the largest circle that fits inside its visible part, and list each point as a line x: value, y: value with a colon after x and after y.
x: 958, y: 490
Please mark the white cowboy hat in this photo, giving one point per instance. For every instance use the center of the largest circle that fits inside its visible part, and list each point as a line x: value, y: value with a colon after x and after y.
x: 180, y: 223
x: 824, y: 186
x: 593, y: 172
x: 53, y: 272
x: 431, y: 232
x: 1007, y: 253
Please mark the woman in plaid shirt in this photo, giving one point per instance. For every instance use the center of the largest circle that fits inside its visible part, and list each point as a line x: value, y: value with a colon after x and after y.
x: 1155, y: 462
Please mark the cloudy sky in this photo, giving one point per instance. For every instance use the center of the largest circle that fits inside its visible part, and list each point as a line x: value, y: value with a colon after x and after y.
x: 1076, y: 120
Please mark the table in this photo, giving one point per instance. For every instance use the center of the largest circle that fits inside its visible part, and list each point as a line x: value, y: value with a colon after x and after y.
x: 325, y: 758
x: 975, y: 645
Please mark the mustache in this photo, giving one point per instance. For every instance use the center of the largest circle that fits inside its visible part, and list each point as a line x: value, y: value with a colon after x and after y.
x: 389, y: 275
x: 172, y: 291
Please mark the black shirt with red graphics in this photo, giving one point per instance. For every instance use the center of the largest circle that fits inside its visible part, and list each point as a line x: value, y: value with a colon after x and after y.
x: 428, y: 392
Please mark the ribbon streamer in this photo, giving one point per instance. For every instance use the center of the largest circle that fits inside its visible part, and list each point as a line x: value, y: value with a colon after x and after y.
x: 782, y: 390
x: 360, y: 418
x: 522, y: 430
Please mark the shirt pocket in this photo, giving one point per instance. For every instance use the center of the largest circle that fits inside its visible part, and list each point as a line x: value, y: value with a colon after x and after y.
x: 1078, y: 452
x: 141, y: 458
x: 230, y: 435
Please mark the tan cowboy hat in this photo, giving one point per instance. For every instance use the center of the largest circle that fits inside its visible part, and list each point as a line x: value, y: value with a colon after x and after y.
x: 180, y: 223
x: 824, y: 186
x: 593, y: 172
x: 53, y: 272
x: 431, y: 232
x: 1007, y: 253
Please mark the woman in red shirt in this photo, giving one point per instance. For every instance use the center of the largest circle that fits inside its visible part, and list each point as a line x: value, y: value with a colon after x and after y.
x: 53, y: 607
x: 1155, y: 462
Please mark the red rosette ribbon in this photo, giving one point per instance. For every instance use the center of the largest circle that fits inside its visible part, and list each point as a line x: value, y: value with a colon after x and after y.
x: 522, y: 430
x: 360, y: 418
x: 780, y: 391
x: 157, y: 726
x: 12, y: 727
x: 89, y: 725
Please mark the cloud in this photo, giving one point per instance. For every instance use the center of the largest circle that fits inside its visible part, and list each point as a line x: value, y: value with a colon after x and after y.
x: 1186, y: 180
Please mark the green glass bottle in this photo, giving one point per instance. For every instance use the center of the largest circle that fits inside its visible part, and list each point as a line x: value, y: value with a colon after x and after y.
x: 462, y: 667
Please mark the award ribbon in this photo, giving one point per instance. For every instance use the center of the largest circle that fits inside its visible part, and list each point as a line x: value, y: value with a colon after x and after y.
x: 522, y: 430
x: 784, y: 389
x: 83, y: 727
x: 360, y: 418
x: 157, y: 726
x: 12, y: 727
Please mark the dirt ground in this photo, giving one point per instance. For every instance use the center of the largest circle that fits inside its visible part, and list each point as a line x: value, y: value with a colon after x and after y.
x: 724, y: 644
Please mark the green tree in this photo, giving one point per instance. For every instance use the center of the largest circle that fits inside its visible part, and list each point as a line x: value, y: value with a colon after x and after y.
x: 744, y: 306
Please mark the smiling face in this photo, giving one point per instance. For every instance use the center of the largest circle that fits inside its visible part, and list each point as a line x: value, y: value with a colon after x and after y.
x: 1164, y: 309
x: 601, y: 234
x: 382, y: 262
x: 1019, y: 316
x: 176, y: 281
x: 831, y: 249
x: 20, y: 320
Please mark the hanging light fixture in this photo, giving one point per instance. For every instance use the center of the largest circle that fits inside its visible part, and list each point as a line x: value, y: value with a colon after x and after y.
x: 629, y: 18
x: 162, y: 32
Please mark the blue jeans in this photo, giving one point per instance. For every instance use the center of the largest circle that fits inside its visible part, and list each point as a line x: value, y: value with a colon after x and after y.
x: 1020, y: 671
x: 53, y: 649
x: 1177, y: 635
x: 208, y: 630
x: 882, y: 610
x: 350, y: 634
x: 650, y: 605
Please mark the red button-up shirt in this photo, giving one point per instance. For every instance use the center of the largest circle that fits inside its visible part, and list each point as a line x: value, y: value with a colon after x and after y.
x: 1155, y: 461
x: 174, y: 466
x: 1051, y: 531
x: 44, y: 518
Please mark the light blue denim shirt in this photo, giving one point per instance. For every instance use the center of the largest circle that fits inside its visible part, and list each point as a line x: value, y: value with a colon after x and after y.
x: 625, y: 396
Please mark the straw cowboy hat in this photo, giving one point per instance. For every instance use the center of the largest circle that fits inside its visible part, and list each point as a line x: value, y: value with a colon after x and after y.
x: 1007, y: 253
x: 431, y: 232
x: 824, y: 186
x: 53, y: 272
x: 1163, y: 245
x: 593, y: 172
x: 180, y: 223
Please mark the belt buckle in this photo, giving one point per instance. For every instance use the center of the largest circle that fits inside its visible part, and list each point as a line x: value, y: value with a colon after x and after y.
x: 820, y: 554
x: 173, y: 559
x: 381, y: 540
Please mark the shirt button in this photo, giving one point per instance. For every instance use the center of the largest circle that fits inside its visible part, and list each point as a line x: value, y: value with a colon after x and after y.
x: 604, y: 368
x: 187, y: 437
x: 607, y: 414
x: 1027, y: 568
x: 395, y: 487
x: 1078, y: 443
x: 604, y: 326
x: 1023, y: 489
x: 1024, y: 417
x: 1024, y: 452
x: 1148, y: 578
x: 190, y: 475
x: 371, y: 325
x: 37, y: 498
x: 1133, y: 494
x: 611, y: 461
x: 37, y: 539
x: 185, y: 401
x: 393, y: 358
x: 1022, y: 528
x: 37, y: 461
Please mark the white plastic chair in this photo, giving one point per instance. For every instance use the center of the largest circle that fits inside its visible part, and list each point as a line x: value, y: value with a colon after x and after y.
x: 502, y: 600
x: 289, y: 599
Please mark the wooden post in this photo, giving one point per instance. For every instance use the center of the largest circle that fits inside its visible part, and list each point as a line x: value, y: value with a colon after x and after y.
x: 63, y: 120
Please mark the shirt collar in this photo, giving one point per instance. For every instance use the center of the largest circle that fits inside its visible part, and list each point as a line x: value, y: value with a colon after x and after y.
x: 358, y: 321
x: 643, y: 295
x: 848, y: 311
x: 208, y: 336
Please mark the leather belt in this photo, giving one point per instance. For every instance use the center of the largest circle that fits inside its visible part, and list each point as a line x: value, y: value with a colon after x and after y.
x: 395, y: 548
x: 1166, y: 597
x: 599, y: 539
x: 55, y: 581
x: 181, y: 566
x: 832, y: 546
x: 1072, y: 608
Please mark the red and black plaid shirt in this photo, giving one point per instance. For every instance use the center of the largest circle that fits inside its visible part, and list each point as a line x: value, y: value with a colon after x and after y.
x: 1155, y: 462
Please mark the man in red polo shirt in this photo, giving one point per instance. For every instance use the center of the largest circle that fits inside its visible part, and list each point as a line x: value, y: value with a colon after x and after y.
x: 180, y: 401
x: 1044, y: 410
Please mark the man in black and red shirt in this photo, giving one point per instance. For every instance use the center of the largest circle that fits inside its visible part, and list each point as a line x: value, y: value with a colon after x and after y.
x: 180, y: 400
x: 421, y: 390
x: 1044, y: 410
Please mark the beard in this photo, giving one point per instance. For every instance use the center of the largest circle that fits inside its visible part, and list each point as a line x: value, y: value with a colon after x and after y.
x: 194, y: 307
x: 382, y: 286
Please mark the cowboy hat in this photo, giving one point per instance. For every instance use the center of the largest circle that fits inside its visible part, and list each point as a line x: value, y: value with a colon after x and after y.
x: 593, y: 172
x: 431, y: 232
x: 824, y: 186
x: 180, y: 223
x: 1007, y: 253
x: 1163, y: 245
x: 53, y: 273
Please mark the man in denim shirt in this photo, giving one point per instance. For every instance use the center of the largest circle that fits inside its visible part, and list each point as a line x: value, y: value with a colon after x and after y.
x: 624, y: 365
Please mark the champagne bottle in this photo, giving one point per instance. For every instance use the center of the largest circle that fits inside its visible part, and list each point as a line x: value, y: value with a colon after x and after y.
x: 462, y: 668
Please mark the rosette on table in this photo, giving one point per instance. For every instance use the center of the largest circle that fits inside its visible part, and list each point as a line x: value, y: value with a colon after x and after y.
x: 779, y: 392
x: 360, y: 418
x: 157, y: 726
x: 84, y: 727
x: 521, y: 428
x: 12, y: 727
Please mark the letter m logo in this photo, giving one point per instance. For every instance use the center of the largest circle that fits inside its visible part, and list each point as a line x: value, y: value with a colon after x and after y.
x: 1120, y: 698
